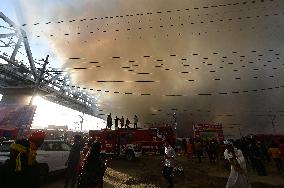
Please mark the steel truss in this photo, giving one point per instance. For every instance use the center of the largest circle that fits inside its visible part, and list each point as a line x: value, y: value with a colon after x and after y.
x: 53, y: 84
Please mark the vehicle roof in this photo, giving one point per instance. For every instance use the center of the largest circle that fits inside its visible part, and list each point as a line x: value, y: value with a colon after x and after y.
x: 8, y: 141
x: 54, y: 141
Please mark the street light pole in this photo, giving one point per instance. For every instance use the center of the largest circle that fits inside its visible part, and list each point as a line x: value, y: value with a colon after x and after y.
x: 273, y: 124
x: 82, y: 120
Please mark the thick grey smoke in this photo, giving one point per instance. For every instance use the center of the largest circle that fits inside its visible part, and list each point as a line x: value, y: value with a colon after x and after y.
x: 210, y: 50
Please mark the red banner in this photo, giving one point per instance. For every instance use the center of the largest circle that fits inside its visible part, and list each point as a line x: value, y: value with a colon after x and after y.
x: 199, y: 129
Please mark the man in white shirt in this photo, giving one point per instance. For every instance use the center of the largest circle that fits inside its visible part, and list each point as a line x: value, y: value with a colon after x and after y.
x: 169, y: 164
x: 238, y: 177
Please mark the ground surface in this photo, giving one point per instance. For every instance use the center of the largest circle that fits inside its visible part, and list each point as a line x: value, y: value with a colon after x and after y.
x: 146, y: 172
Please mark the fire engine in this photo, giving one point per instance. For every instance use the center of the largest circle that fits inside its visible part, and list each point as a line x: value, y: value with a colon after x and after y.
x: 152, y: 139
x: 117, y: 142
x: 131, y: 142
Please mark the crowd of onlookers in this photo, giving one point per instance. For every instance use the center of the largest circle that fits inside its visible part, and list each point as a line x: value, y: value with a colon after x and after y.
x: 257, y: 153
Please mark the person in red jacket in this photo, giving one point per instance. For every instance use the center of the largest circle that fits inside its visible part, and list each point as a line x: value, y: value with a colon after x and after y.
x: 281, y: 147
x: 93, y: 168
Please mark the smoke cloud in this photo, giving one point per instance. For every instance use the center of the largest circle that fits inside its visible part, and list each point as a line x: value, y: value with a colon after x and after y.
x: 214, y: 56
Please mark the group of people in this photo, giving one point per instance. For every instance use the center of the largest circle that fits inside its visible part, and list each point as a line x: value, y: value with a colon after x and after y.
x: 238, y: 175
x: 256, y: 153
x: 21, y: 169
x: 85, y: 166
x: 122, y: 123
x: 238, y: 153
x: 197, y: 148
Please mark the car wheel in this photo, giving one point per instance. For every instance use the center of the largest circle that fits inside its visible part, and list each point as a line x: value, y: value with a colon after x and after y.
x: 130, y: 155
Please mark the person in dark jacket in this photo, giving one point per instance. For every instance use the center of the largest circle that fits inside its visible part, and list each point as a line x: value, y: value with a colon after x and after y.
x: 20, y: 170
x: 258, y: 156
x: 73, y: 161
x: 127, y: 122
x: 109, y: 121
x: 93, y: 169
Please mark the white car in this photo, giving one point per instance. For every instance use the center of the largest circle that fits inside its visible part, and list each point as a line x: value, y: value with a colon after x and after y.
x: 51, y: 156
x: 5, y: 150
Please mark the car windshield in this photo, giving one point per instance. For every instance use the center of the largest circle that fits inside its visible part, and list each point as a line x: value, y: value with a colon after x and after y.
x: 5, y: 146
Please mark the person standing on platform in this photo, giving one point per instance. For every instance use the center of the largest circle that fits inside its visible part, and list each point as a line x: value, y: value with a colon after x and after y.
x: 127, y: 122
x: 109, y: 121
x: 122, y: 122
x: 116, y: 122
x: 135, y: 121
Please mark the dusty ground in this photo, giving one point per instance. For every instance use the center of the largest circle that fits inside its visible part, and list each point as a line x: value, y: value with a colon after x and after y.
x: 146, y: 172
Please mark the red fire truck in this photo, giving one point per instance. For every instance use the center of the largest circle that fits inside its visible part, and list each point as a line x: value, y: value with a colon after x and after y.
x: 117, y: 142
x: 152, y: 139
x: 131, y: 142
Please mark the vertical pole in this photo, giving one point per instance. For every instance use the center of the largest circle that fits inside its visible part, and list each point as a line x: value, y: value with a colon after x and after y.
x: 273, y: 124
x: 82, y: 120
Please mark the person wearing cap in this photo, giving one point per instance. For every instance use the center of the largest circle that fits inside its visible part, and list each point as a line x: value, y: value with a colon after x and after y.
x: 238, y: 174
x: 21, y: 169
